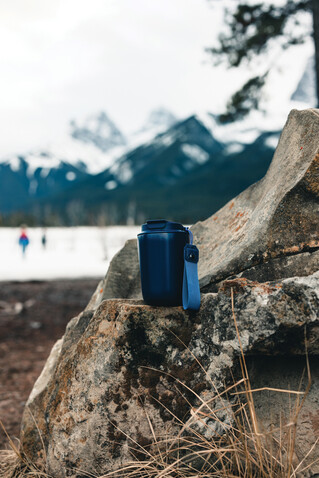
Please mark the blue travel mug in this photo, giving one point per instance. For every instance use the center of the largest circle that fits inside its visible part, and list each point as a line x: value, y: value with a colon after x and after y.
x: 162, y: 256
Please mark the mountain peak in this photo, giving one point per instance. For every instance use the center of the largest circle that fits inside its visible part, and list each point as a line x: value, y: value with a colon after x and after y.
x: 99, y: 130
x: 161, y: 117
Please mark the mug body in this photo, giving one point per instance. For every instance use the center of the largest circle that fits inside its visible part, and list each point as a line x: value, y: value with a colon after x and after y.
x: 161, y: 255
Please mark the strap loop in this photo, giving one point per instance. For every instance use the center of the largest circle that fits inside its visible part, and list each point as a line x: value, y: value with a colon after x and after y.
x: 191, y: 291
x: 190, y: 235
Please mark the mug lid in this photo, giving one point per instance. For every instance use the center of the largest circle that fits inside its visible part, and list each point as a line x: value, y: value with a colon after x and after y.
x: 162, y: 225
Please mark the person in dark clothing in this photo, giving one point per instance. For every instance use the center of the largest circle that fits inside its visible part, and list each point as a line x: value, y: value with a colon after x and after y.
x: 44, y: 239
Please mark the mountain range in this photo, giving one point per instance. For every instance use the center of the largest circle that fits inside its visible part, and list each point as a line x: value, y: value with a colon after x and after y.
x: 183, y: 169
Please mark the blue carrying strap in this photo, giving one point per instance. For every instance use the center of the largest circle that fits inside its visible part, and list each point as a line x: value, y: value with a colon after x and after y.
x: 191, y: 292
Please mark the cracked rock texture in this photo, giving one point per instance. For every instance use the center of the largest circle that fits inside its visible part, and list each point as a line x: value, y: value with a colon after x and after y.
x: 119, y: 373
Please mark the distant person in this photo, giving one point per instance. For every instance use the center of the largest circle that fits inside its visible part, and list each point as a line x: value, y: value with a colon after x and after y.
x: 23, y: 241
x: 44, y: 239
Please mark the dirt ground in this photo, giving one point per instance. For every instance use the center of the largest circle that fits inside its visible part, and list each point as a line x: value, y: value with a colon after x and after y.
x: 33, y: 315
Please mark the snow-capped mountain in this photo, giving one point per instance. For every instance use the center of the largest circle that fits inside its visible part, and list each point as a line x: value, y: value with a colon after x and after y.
x: 34, y: 176
x: 183, y: 169
x: 183, y: 173
x: 89, y: 147
x: 98, y: 130
x: 158, y: 120
x: 192, y: 143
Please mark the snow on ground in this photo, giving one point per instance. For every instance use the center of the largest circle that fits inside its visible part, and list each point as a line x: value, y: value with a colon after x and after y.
x: 74, y: 252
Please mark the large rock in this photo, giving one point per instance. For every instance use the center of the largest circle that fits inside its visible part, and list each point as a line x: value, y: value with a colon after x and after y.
x: 261, y: 232
x: 123, y: 366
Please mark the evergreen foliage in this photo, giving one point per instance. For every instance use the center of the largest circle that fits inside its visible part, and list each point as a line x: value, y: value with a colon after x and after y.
x: 244, y: 100
x: 249, y: 30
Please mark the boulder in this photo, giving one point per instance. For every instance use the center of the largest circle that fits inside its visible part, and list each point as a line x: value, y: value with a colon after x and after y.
x: 126, y: 372
x: 261, y: 232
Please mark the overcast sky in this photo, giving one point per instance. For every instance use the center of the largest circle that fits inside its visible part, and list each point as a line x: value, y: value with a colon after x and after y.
x: 64, y: 59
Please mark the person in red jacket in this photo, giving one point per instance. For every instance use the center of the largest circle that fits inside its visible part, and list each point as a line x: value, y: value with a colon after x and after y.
x: 23, y: 241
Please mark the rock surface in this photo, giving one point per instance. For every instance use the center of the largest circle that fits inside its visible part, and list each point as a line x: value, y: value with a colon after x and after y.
x: 267, y: 371
x: 271, y: 221
x: 276, y: 217
x: 123, y: 276
x: 115, y: 369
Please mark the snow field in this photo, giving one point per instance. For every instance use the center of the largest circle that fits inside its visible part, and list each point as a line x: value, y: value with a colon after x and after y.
x: 73, y: 252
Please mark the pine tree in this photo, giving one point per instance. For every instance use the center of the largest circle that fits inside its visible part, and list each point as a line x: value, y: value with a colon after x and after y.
x: 250, y: 28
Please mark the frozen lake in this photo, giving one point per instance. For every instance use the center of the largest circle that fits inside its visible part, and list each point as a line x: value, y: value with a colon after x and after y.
x: 74, y: 252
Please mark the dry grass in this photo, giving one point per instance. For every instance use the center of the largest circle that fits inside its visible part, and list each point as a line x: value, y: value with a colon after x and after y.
x: 223, y: 438
x: 14, y: 465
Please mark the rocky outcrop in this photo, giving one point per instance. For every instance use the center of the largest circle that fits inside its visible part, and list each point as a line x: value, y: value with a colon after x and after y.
x: 261, y: 232
x: 123, y: 366
x: 125, y: 373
